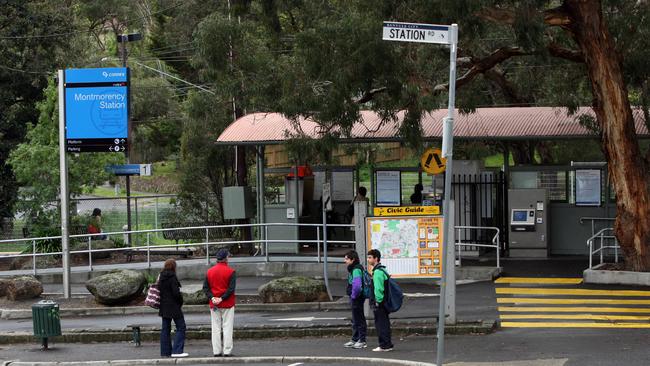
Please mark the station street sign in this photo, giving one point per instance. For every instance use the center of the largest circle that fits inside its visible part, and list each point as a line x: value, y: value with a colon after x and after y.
x: 96, y: 109
x: 416, y: 32
x: 130, y: 169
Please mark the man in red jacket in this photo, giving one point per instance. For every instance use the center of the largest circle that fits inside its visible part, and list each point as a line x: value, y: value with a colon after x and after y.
x: 219, y: 287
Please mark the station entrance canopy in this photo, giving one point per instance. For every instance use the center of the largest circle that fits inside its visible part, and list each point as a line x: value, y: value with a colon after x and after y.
x: 524, y: 123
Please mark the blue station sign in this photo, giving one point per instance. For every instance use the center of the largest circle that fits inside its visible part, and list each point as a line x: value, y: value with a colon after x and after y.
x: 97, y: 109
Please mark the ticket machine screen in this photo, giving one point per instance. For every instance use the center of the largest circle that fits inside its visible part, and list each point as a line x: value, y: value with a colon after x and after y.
x: 522, y: 220
x: 519, y: 216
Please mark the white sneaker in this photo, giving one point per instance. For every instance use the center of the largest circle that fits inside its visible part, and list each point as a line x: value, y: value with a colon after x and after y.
x: 379, y: 349
x: 180, y: 355
x: 350, y: 344
x: 360, y: 345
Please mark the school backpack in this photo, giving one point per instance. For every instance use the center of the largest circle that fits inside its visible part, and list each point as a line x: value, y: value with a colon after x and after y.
x: 366, y: 283
x: 393, y: 295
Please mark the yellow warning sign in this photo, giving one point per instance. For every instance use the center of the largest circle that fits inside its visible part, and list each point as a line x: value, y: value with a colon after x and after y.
x: 432, y: 161
x: 407, y: 211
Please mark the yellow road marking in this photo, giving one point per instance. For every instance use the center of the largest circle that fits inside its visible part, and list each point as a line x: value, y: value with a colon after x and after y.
x: 547, y: 280
x: 574, y: 316
x: 566, y: 291
x: 529, y: 300
x: 572, y: 325
x: 576, y: 309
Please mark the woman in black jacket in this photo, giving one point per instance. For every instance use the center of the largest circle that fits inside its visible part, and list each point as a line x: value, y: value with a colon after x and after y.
x: 171, y: 302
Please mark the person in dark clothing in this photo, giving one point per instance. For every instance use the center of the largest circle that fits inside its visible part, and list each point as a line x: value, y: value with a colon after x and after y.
x: 171, y: 301
x: 382, y: 320
x: 416, y: 197
x: 355, y: 291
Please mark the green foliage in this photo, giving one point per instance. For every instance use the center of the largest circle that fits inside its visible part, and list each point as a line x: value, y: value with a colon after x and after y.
x: 36, y: 165
x: 25, y: 63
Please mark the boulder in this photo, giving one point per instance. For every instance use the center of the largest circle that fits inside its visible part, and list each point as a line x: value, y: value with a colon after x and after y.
x: 23, y: 288
x: 95, y: 244
x: 4, y: 283
x: 193, y: 295
x: 293, y: 289
x: 117, y: 287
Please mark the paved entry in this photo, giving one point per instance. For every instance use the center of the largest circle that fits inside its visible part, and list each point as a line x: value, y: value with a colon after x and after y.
x: 568, y: 303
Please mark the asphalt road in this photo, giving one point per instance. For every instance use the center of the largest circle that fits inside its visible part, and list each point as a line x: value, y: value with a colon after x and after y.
x: 561, y: 347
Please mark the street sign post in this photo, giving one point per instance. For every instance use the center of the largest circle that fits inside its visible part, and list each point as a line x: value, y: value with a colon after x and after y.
x: 440, y: 34
x: 96, y: 109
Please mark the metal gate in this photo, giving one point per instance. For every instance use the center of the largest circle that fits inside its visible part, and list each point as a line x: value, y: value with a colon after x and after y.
x: 481, y: 200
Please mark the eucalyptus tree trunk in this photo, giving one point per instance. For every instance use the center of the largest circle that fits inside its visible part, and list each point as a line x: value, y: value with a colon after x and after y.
x: 627, y: 167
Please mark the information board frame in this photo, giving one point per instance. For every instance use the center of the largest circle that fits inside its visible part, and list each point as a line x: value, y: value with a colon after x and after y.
x: 427, y: 254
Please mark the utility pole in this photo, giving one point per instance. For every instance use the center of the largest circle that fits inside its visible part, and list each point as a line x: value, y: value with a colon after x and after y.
x: 123, y: 39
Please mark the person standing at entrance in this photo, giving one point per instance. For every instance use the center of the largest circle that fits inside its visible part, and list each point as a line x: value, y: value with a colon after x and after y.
x: 219, y: 288
x: 171, y: 301
x: 355, y: 291
x: 382, y: 320
x: 416, y: 197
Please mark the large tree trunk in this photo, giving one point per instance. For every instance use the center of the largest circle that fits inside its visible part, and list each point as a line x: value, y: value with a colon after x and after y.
x: 627, y: 168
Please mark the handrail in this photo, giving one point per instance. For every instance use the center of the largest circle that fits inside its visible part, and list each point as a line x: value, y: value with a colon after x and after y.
x: 262, y: 243
x: 495, y: 240
x: 601, y: 235
x: 583, y: 218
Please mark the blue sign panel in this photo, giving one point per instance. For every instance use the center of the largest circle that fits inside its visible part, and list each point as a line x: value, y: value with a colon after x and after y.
x: 97, y: 109
x: 126, y: 169
x: 103, y: 75
x: 96, y: 113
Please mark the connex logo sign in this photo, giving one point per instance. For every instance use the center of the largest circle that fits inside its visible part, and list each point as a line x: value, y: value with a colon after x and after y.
x: 112, y: 74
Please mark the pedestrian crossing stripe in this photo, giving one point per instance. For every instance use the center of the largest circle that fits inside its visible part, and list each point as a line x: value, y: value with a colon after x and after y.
x: 565, y: 291
x: 576, y: 309
x: 572, y: 325
x: 529, y: 300
x: 535, y: 280
x: 574, y: 316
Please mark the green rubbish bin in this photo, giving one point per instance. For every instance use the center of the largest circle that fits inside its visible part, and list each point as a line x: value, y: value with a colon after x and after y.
x: 45, y: 316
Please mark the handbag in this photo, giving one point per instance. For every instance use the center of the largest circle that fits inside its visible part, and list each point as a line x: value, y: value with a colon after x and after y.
x: 153, y: 295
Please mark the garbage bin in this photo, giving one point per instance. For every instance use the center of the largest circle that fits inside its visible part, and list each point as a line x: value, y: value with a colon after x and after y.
x: 45, y: 316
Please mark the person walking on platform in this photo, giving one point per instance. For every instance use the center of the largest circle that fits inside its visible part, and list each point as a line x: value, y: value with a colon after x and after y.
x: 355, y: 291
x: 379, y: 282
x: 171, y: 301
x: 219, y: 287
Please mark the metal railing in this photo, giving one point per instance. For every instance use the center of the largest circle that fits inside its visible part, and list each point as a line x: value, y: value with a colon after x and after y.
x: 495, y: 241
x: 593, y: 221
x: 262, y: 245
x: 601, y: 239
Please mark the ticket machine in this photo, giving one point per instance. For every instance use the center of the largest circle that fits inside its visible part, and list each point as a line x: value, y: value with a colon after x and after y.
x: 528, y: 223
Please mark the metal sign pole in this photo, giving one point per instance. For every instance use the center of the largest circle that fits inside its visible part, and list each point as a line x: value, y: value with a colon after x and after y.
x: 447, y: 152
x: 63, y: 173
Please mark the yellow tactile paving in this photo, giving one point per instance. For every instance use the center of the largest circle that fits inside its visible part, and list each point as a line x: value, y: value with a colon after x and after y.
x: 575, y: 309
x: 534, y: 280
x: 567, y: 291
x: 572, y: 325
x: 605, y: 317
x: 549, y: 301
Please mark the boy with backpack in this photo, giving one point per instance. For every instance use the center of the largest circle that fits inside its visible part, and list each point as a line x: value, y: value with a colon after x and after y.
x: 380, y: 279
x: 358, y: 292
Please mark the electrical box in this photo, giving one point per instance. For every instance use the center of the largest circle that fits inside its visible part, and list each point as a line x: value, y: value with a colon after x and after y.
x: 238, y: 203
x: 529, y: 223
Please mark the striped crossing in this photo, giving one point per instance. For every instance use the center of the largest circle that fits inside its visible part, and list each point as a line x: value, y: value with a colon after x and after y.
x: 565, y: 303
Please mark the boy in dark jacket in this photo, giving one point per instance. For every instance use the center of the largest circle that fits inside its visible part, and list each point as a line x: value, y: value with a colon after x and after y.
x: 171, y: 302
x: 382, y: 321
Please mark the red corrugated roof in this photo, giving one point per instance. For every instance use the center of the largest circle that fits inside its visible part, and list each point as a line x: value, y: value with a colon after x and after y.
x: 486, y: 123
